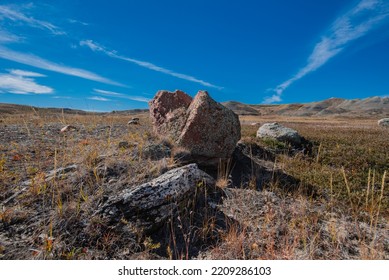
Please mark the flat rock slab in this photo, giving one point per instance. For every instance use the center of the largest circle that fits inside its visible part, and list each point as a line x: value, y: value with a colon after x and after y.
x: 149, y: 205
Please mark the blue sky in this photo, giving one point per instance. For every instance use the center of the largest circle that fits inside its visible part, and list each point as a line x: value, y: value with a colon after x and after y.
x: 115, y: 55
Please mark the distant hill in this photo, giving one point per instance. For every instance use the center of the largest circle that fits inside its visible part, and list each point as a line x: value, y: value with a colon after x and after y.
x: 240, y: 108
x: 368, y: 107
x: 22, y: 109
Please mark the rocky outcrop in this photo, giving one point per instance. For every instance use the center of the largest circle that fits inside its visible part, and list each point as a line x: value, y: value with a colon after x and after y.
x: 149, y: 205
x: 202, y: 126
x: 278, y: 132
x: 384, y: 122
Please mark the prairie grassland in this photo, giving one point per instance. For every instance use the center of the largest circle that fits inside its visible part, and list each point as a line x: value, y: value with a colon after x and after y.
x: 343, y: 216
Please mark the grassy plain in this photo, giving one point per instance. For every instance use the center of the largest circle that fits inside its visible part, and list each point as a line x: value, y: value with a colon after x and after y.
x: 43, y: 216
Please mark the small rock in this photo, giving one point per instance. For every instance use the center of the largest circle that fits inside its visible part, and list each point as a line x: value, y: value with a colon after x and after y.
x: 280, y: 133
x: 68, y: 128
x: 133, y: 121
x: 124, y: 145
x: 384, y: 122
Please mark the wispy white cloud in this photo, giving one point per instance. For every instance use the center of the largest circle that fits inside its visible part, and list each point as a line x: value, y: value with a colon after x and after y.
x: 138, y: 98
x: 7, y: 37
x: 23, y: 73
x: 108, y: 93
x: 272, y: 99
x: 121, y: 95
x: 354, y: 24
x: 98, y: 48
x: 99, y: 98
x: 22, y: 82
x: 63, y: 97
x: 38, y: 62
x: 16, y: 14
x: 74, y: 21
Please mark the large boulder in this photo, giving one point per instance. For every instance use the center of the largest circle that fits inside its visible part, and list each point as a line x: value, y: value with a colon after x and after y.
x: 204, y: 127
x: 384, y: 122
x: 278, y: 132
x: 149, y: 205
x: 168, y: 112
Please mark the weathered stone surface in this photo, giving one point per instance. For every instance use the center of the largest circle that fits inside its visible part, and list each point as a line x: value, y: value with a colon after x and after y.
x: 149, y: 205
x: 211, y: 129
x: 280, y: 133
x: 202, y: 126
x: 384, y: 122
x: 168, y: 112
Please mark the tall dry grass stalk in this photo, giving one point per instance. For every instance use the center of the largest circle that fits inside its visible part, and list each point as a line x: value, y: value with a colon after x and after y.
x: 223, y: 173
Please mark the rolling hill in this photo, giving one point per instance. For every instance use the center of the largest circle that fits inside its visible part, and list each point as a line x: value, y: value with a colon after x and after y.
x: 368, y: 107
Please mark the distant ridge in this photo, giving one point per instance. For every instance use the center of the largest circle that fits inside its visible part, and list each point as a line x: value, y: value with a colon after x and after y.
x: 6, y: 108
x: 368, y: 107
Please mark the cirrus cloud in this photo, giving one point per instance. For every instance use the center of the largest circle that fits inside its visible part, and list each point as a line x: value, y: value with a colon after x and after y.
x: 38, y: 62
x: 16, y: 14
x: 99, y: 98
x: 22, y: 82
x: 99, y: 48
x: 121, y: 95
x: 354, y: 24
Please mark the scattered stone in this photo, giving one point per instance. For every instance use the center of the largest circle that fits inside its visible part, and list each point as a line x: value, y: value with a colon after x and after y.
x: 124, y: 145
x: 149, y: 205
x: 202, y: 126
x: 133, y: 121
x: 278, y: 132
x: 68, y: 128
x: 255, y: 124
x: 384, y: 122
x: 156, y: 152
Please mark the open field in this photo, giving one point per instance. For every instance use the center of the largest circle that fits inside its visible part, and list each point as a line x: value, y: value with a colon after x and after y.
x: 339, y: 210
